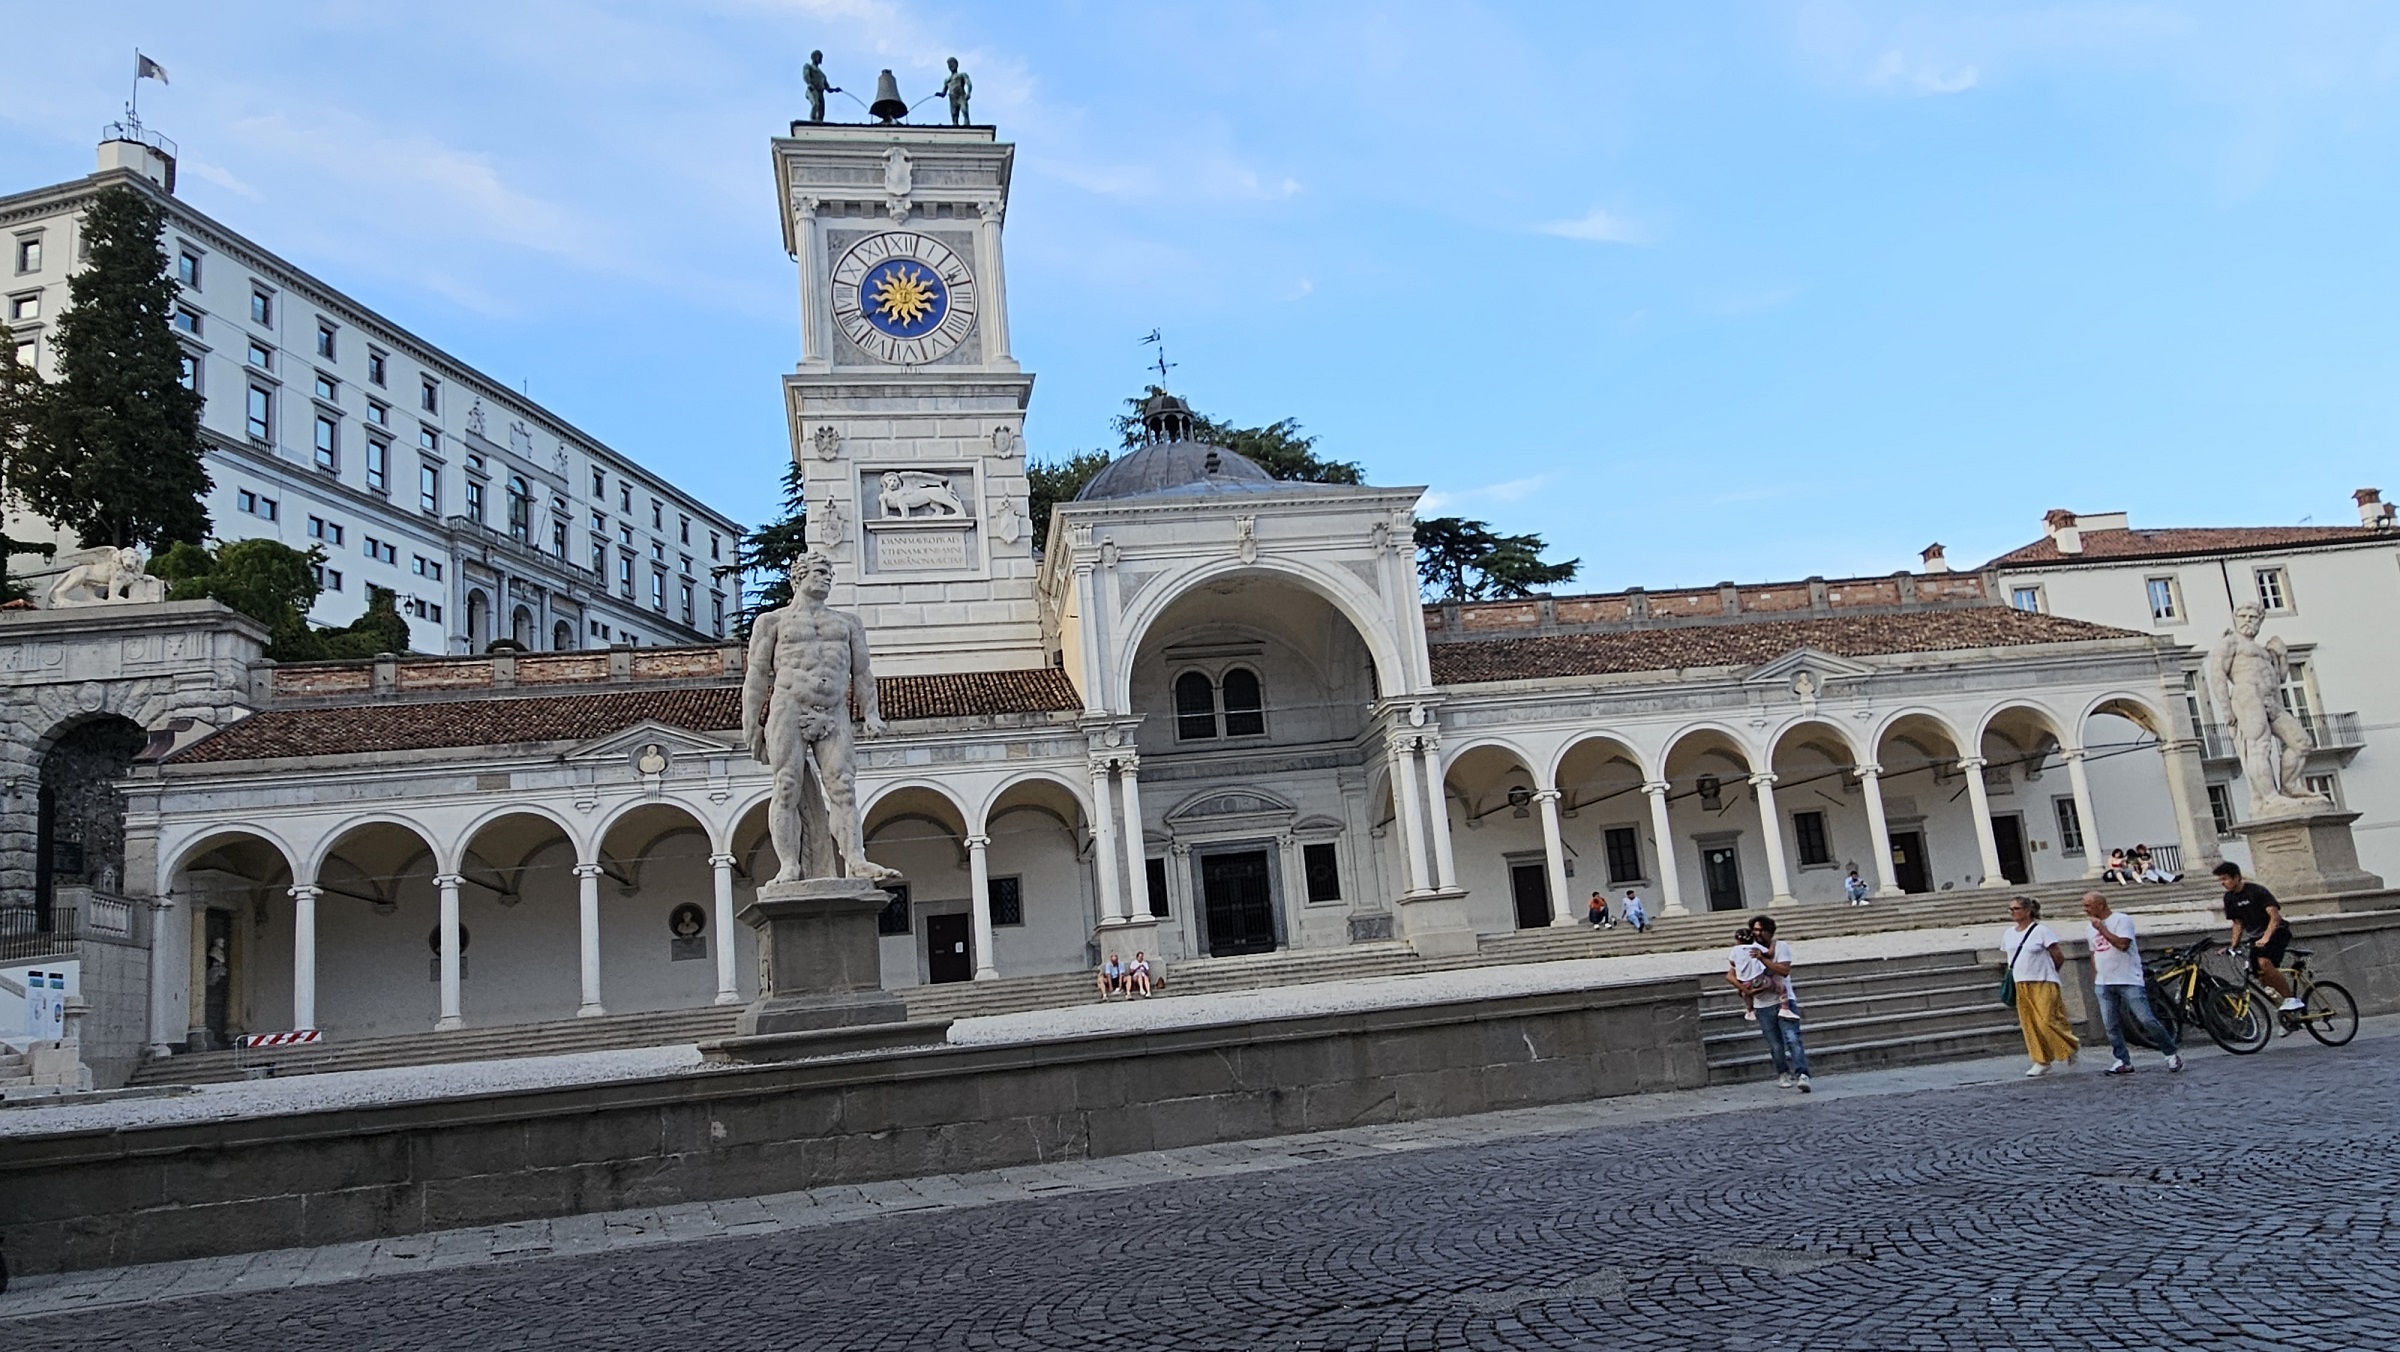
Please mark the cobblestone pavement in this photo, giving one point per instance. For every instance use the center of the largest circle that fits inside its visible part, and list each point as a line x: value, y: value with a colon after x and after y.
x: 2246, y: 1203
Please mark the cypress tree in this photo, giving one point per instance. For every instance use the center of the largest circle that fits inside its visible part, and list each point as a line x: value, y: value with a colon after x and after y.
x: 112, y: 450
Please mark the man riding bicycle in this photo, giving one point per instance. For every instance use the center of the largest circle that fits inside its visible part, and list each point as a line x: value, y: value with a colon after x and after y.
x: 2258, y: 920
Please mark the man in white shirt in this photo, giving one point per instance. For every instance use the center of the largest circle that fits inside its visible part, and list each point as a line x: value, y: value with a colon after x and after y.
x: 2117, y: 985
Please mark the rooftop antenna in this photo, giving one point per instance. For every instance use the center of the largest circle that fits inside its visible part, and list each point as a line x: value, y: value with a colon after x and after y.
x: 1163, y: 365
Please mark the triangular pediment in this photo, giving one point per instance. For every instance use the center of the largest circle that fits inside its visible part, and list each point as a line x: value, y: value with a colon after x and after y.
x: 1817, y: 662
x: 671, y: 741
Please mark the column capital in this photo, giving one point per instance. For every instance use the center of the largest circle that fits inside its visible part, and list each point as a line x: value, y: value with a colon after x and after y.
x: 1104, y: 761
x: 1547, y: 795
x: 718, y: 861
x: 594, y: 870
x: 305, y: 891
x: 1870, y: 770
x: 1657, y: 788
x: 1972, y: 762
x: 1763, y: 779
x: 448, y: 880
x: 979, y: 842
x: 2071, y: 753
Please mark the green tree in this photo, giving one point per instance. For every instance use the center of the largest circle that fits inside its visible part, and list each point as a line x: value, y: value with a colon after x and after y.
x: 267, y: 580
x: 112, y: 448
x: 20, y: 389
x: 762, y: 559
x: 382, y: 629
x: 1462, y: 560
x: 1050, y: 483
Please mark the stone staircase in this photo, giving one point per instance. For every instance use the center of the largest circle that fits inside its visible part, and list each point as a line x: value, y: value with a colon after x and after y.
x: 1869, y: 1013
x: 1290, y: 967
x: 16, y: 1071
x: 664, y: 1028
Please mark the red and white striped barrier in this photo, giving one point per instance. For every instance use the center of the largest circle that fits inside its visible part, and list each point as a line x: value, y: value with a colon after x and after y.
x: 291, y: 1039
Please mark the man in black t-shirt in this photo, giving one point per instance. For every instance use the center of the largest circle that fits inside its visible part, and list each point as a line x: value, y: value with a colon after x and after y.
x: 2257, y: 919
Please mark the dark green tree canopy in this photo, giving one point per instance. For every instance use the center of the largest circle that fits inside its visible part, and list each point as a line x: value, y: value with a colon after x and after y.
x: 111, y: 450
x: 763, y: 558
x: 1462, y: 560
x: 275, y: 584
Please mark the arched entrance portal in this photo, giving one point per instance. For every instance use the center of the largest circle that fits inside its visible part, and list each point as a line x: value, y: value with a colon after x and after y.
x: 80, y: 833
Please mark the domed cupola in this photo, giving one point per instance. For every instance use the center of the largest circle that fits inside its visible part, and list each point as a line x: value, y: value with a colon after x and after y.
x: 1170, y: 461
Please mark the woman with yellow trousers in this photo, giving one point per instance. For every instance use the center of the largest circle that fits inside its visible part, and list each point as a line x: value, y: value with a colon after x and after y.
x: 2033, y: 963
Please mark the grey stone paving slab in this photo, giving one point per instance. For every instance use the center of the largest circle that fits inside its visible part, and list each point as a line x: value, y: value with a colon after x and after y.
x: 1949, y: 1207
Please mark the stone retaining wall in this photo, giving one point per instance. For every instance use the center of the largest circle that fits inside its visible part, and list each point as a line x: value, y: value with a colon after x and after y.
x: 106, y: 1198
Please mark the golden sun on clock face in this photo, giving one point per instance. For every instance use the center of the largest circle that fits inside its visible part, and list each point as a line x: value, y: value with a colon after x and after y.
x: 903, y: 297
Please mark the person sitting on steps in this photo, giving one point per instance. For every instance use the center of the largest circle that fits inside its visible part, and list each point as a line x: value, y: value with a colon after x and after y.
x: 1112, y: 977
x: 1137, y: 977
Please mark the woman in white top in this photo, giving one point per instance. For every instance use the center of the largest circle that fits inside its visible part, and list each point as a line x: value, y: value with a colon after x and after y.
x: 2033, y: 956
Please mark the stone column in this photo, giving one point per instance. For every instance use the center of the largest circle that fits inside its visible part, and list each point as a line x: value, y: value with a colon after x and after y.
x: 304, y: 955
x: 1879, y: 829
x: 1670, y: 885
x: 2187, y: 789
x: 1554, y: 855
x: 991, y: 286
x: 170, y: 966
x: 1770, y: 823
x: 2080, y: 785
x: 1437, y: 803
x: 979, y: 877
x: 804, y: 234
x: 1137, y: 874
x: 1105, y: 862
x: 1979, y: 802
x: 1411, y: 810
x: 729, y: 979
x: 448, y: 884
x: 587, y: 912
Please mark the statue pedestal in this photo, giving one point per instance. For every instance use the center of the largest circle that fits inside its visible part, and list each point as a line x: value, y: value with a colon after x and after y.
x: 819, y: 959
x: 2306, y: 854
x: 1435, y: 923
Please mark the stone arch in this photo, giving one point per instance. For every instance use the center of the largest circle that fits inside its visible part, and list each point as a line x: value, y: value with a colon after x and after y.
x: 562, y: 637
x: 1917, y: 718
x: 924, y: 807
x: 644, y: 823
x: 2138, y: 710
x: 521, y: 626
x: 342, y: 833
x: 2020, y: 711
x: 1776, y: 742
x: 1586, y: 744
x: 1000, y: 799
x: 1395, y: 675
x: 479, y: 620
x: 509, y: 838
x: 1697, y: 739
x: 183, y: 854
x: 1479, y: 776
x: 79, y: 815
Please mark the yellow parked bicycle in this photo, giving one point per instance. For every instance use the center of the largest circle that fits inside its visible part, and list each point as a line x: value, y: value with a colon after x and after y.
x: 2236, y: 1015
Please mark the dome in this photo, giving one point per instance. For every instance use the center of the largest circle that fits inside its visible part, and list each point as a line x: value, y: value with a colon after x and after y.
x: 1170, y: 461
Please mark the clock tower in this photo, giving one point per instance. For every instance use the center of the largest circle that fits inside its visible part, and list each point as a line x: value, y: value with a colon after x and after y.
x: 907, y: 411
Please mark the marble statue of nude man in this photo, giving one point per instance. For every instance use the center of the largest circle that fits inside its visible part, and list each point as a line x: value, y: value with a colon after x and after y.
x: 2245, y: 678
x: 808, y: 662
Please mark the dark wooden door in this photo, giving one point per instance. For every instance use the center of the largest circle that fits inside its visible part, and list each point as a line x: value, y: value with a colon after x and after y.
x: 2009, y: 834
x: 1530, y: 883
x: 1722, y: 866
x: 949, y: 953
x: 1908, y: 862
x: 1239, y: 902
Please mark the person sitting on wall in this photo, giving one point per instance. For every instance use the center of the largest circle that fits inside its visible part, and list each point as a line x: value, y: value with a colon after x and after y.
x: 2117, y: 871
x: 1112, y: 977
x: 1137, y: 977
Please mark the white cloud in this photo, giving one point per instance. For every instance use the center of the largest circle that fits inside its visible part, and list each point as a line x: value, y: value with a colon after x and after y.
x: 222, y: 177
x: 1437, y: 502
x: 1919, y: 77
x: 1599, y: 227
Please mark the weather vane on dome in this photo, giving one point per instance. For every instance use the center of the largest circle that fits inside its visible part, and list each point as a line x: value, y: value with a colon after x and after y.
x: 1163, y: 365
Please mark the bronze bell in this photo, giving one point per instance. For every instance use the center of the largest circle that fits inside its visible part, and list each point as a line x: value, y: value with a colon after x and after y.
x: 888, y: 106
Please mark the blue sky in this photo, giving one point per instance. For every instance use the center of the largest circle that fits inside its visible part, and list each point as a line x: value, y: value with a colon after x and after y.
x: 1699, y: 292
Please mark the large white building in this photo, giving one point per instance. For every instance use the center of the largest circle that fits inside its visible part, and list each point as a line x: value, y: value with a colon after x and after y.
x: 330, y: 426
x: 2330, y: 593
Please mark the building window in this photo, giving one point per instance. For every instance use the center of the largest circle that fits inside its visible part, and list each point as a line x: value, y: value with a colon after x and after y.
x: 428, y: 568
x: 379, y: 463
x: 27, y: 306
x: 424, y: 609
x: 187, y: 371
x: 1623, y: 845
x: 558, y: 538
x: 187, y: 268
x: 428, y: 438
x: 2295, y: 690
x: 599, y: 485
x: 29, y: 351
x: 658, y: 550
x: 29, y: 254
x: 2220, y: 809
x: 1154, y: 881
x: 262, y: 308
x: 624, y: 497
x: 188, y: 320
x: 2166, y: 601
x: 328, y: 579
x: 520, y: 509
x: 716, y: 547
x: 2070, y: 826
x: 321, y: 529
x: 2328, y: 787
x: 262, y: 357
x: 382, y: 551
x: 625, y: 533
x: 686, y: 589
x: 1321, y: 864
x: 683, y: 526
x: 2274, y: 596
x: 716, y: 613
x: 325, y: 340
x: 1808, y: 831
x: 475, y: 500
x: 246, y: 501
x: 328, y: 443
x: 375, y: 370
x: 327, y: 388
x: 379, y: 414
x: 683, y: 564
x: 1007, y: 898
x: 1195, y: 707
x: 625, y: 576
x: 1245, y: 708
x: 429, y: 488
x: 893, y: 918
x: 599, y: 556
x: 2026, y: 599
x: 658, y: 592
x: 599, y: 524
x: 429, y: 395
x: 261, y: 415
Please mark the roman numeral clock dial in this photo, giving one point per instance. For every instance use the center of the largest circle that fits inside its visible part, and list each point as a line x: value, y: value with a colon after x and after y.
x: 903, y: 297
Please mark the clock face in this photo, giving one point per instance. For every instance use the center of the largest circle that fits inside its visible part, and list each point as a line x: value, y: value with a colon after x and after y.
x: 903, y: 297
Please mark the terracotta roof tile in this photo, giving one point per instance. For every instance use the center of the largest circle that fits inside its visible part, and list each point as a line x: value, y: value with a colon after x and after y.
x: 366, y: 728
x: 2182, y: 541
x: 1748, y: 643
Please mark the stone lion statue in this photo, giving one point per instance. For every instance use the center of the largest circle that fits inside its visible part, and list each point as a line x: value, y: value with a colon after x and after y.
x: 114, y: 575
x: 904, y: 492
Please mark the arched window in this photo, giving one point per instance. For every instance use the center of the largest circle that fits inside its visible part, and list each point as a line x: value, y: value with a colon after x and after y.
x: 562, y: 637
x: 520, y: 508
x: 1245, y: 711
x: 1195, y: 707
